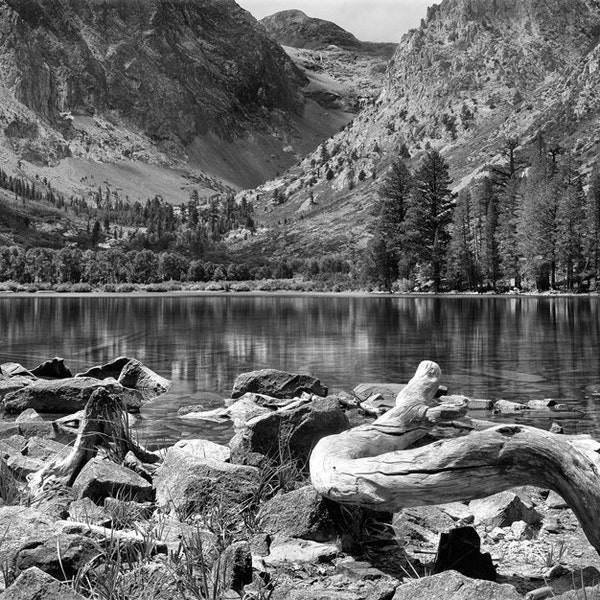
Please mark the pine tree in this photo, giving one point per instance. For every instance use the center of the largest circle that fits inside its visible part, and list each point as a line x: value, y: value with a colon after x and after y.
x: 592, y: 210
x: 462, y: 269
x: 429, y: 215
x: 388, y: 225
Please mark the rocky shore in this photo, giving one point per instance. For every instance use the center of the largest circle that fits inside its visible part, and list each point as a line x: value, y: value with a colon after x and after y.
x: 86, y: 512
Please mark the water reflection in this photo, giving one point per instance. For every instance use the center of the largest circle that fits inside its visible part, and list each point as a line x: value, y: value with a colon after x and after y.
x: 488, y: 347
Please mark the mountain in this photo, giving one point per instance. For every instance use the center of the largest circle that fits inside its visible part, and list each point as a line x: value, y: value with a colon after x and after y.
x: 149, y: 97
x: 294, y: 28
x: 475, y: 73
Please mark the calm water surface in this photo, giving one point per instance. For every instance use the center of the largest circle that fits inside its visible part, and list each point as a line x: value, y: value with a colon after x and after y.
x: 515, y: 348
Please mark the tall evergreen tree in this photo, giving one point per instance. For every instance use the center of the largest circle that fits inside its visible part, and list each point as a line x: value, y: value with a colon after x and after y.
x: 592, y: 209
x: 389, y: 213
x: 462, y: 269
x: 429, y: 215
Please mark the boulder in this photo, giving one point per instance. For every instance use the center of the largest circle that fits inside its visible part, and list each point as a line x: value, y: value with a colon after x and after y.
x: 188, y: 485
x: 204, y: 449
x: 289, y: 433
x: 12, y: 384
x: 507, y: 407
x: 10, y: 445
x: 35, y: 584
x: 32, y: 538
x: 421, y: 526
x: 278, y: 384
x: 52, y: 369
x: 66, y: 395
x: 554, y: 500
x: 101, y: 478
x: 303, y: 514
x: 503, y: 509
x: 9, y: 429
x: 451, y: 585
x: 137, y: 376
x: 22, y: 466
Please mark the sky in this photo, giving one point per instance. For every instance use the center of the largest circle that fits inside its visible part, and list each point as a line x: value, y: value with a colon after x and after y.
x: 368, y: 20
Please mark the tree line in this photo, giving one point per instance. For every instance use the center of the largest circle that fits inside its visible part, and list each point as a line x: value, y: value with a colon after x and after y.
x: 529, y: 223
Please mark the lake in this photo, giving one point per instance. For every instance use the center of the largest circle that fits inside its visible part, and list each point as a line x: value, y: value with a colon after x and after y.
x: 488, y: 347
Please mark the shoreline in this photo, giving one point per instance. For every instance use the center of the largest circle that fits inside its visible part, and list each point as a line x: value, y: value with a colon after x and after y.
x: 288, y: 293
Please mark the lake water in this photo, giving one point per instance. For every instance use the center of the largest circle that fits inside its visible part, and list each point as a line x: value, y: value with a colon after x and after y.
x: 513, y: 347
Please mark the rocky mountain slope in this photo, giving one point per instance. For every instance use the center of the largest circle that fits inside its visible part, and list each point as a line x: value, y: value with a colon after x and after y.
x: 295, y: 28
x: 149, y: 97
x: 474, y: 73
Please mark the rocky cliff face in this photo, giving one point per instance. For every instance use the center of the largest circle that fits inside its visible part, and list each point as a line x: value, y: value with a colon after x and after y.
x: 175, y: 69
x: 474, y: 73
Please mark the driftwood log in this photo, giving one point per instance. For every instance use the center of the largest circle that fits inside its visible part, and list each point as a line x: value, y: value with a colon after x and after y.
x: 103, y: 427
x: 371, y: 466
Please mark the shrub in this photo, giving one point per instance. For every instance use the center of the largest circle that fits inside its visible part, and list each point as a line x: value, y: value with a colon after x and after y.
x: 81, y: 288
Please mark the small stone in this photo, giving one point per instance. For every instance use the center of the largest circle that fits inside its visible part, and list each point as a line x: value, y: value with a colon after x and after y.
x: 555, y: 501
x: 507, y: 407
x: 497, y: 534
x: 300, y: 551
x: 521, y: 531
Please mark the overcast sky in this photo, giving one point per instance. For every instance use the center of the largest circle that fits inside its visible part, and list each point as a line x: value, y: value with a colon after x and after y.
x: 368, y: 20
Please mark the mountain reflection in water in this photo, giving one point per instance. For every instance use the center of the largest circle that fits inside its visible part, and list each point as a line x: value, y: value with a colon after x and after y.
x: 513, y: 347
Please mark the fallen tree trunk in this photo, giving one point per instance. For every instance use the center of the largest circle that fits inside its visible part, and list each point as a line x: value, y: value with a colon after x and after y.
x: 103, y: 426
x: 370, y: 466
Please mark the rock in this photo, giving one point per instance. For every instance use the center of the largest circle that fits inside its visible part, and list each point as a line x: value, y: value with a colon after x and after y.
x: 31, y: 538
x: 12, y: 369
x: 578, y: 584
x: 192, y: 408
x: 556, y: 428
x: 507, y: 407
x: 111, y: 369
x: 303, y: 514
x: 498, y: 534
x: 555, y: 501
x: 31, y: 424
x: 204, y: 449
x: 244, y: 409
x: 137, y: 376
x: 35, y: 584
x: 188, y: 485
x: 15, y: 444
x: 452, y: 585
x: 460, y: 550
x: 339, y: 587
x: 521, y: 531
x: 7, y: 386
x: 8, y: 484
x: 278, y: 384
x: 101, y: 478
x: 22, y: 466
x: 289, y: 433
x: 60, y: 556
x: 460, y: 512
x: 44, y: 448
x: 503, y: 509
x: 359, y: 570
x: 84, y: 510
x: 54, y: 369
x: 66, y: 395
x: 9, y: 429
x: 479, y: 404
x: 546, y: 404
x: 290, y: 551
x: 236, y: 565
x: 389, y: 391
x: 421, y: 526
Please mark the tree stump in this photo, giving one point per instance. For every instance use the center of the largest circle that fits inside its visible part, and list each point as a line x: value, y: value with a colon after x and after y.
x: 370, y: 465
x: 103, y: 426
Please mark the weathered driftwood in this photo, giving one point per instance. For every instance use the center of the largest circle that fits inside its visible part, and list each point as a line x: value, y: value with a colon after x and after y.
x: 103, y: 426
x: 370, y: 466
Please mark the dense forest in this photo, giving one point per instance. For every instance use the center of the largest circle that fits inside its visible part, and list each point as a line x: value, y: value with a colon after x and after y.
x: 528, y: 224
x: 531, y: 223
